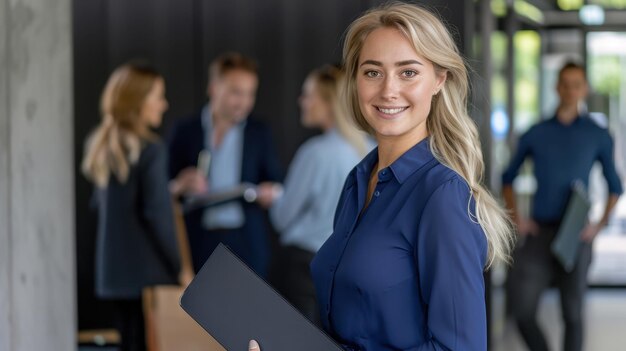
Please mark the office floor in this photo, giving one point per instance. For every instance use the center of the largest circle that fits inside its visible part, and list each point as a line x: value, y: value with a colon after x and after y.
x: 605, y: 322
x: 605, y: 309
x: 609, y: 259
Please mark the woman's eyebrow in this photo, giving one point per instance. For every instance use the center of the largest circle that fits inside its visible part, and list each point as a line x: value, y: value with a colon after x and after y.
x: 400, y: 63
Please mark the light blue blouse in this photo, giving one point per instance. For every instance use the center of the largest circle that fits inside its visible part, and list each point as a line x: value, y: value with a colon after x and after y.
x: 304, y: 214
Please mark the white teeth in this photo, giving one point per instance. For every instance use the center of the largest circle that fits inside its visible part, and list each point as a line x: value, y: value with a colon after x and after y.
x: 391, y: 111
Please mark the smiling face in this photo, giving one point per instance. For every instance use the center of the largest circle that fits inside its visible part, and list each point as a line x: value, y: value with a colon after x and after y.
x: 395, y: 87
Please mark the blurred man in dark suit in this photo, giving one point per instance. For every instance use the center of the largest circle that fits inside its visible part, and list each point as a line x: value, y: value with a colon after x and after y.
x: 240, y: 150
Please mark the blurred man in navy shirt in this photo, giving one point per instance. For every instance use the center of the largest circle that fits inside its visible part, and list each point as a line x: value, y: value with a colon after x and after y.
x: 563, y: 149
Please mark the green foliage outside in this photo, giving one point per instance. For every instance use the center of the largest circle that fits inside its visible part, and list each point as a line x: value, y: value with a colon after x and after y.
x: 602, y: 74
x: 527, y: 78
x: 609, y: 4
x: 498, y: 56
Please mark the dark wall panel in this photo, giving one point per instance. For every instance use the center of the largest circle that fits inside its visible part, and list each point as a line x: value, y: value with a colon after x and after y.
x: 90, y: 69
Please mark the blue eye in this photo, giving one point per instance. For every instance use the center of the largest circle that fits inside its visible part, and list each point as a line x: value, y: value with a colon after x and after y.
x: 409, y: 74
x: 372, y: 74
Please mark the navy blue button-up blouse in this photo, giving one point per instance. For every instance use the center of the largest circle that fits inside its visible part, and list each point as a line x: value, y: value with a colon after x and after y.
x: 408, y: 273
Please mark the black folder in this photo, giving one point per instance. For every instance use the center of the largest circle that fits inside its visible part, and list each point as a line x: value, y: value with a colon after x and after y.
x: 566, y: 244
x: 235, y: 305
x: 245, y: 191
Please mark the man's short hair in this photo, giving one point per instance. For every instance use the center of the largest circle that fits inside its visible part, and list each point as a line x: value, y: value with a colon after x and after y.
x: 572, y: 65
x: 230, y: 61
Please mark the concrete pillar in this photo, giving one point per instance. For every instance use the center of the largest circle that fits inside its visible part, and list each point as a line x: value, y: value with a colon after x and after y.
x: 37, y: 268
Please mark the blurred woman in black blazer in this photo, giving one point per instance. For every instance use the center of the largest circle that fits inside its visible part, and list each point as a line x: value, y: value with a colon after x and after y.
x: 136, y: 243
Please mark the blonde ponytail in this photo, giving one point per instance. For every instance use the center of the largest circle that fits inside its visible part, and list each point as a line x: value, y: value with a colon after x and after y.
x: 115, y: 145
x: 455, y: 143
x: 110, y: 150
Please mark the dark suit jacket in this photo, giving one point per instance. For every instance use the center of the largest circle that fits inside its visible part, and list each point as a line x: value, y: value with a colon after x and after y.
x: 259, y: 163
x: 136, y: 244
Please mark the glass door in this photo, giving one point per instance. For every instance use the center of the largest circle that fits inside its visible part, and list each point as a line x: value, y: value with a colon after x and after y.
x: 606, y: 69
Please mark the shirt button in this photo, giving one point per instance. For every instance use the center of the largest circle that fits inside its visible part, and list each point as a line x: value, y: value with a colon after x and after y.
x: 376, y: 193
x: 383, y: 172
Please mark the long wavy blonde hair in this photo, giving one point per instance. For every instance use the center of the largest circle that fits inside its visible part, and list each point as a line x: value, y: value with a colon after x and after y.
x: 329, y: 80
x: 116, y: 142
x: 453, y: 134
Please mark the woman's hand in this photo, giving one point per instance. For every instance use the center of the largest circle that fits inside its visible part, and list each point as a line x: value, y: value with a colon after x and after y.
x: 253, y: 346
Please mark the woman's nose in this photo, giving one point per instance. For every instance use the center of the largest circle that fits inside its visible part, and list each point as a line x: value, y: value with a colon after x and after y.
x: 389, y: 88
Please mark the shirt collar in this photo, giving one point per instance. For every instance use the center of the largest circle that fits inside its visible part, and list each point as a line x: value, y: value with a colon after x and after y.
x: 207, y: 123
x: 576, y: 120
x: 368, y: 162
x: 402, y: 168
x: 412, y: 160
x: 333, y: 132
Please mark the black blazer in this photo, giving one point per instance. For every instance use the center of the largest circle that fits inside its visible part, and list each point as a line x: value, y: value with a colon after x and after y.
x: 136, y: 244
x: 259, y: 163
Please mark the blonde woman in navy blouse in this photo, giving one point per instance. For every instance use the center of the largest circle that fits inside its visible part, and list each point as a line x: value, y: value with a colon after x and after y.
x: 414, y: 228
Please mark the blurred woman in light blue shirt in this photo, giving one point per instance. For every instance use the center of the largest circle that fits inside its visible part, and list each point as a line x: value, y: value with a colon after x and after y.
x: 304, y: 214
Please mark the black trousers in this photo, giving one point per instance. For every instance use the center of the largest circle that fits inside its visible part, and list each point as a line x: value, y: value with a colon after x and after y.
x: 534, y: 270
x: 291, y: 276
x: 130, y: 324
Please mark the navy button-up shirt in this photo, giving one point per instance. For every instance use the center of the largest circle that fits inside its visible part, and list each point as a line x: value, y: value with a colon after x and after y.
x: 562, y: 154
x: 407, y: 274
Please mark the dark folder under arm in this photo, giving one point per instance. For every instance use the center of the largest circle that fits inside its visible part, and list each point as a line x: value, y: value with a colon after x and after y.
x: 235, y: 305
x: 566, y: 244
